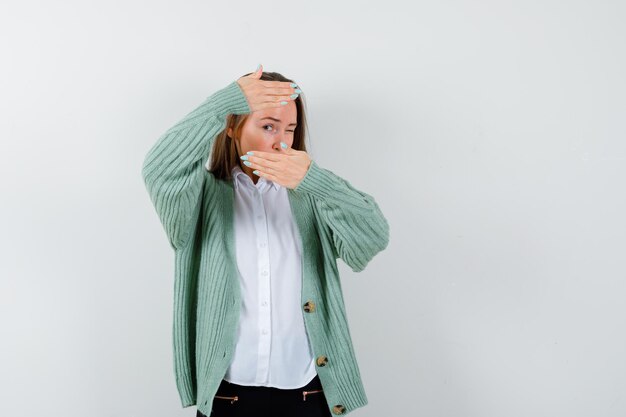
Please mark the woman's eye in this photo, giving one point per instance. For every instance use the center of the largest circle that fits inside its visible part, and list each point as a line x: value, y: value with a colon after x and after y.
x: 290, y: 131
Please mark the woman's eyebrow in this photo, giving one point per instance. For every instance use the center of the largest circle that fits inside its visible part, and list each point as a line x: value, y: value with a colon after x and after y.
x: 277, y: 120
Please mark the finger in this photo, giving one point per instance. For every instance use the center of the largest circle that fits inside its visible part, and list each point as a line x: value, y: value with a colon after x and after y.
x: 279, y: 94
x: 264, y: 155
x: 256, y: 73
x: 269, y: 161
x: 263, y: 164
x: 266, y: 175
x: 284, y: 148
x: 270, y: 101
x: 262, y: 105
x: 278, y: 84
x: 290, y: 92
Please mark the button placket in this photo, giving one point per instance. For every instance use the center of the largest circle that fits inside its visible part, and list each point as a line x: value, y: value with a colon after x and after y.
x: 263, y: 290
x: 271, y: 219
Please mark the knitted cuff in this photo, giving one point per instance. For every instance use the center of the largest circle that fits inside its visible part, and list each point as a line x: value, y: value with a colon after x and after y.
x: 229, y: 100
x: 319, y: 182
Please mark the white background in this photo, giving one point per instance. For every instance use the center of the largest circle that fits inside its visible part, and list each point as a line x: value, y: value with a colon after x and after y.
x: 491, y: 133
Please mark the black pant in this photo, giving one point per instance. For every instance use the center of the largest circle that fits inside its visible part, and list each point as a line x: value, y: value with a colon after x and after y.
x: 232, y: 400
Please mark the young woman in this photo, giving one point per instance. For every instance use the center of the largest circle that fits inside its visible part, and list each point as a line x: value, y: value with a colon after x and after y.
x: 260, y: 326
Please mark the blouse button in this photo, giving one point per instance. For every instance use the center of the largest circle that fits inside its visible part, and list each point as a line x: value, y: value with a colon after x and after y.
x: 339, y: 409
x: 309, y: 306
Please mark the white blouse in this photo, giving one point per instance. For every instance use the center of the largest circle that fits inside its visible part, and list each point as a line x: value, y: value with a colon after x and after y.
x: 272, y: 344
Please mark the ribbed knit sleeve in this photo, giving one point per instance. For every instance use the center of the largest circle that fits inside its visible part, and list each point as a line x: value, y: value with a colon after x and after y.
x: 359, y: 229
x: 174, y: 171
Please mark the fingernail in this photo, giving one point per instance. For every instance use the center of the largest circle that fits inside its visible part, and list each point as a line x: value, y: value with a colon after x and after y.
x: 244, y: 157
x: 297, y: 90
x: 283, y: 144
x: 255, y: 172
x: 257, y: 68
x: 248, y: 163
x: 293, y: 85
x: 282, y: 103
x: 249, y: 153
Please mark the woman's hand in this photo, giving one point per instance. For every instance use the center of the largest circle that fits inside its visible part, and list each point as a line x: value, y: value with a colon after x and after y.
x: 262, y: 94
x: 286, y: 168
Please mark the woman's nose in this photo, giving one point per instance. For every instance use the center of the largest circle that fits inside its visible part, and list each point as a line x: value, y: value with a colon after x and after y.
x: 278, y: 141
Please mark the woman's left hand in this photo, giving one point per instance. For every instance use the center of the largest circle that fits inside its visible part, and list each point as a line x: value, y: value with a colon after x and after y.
x: 286, y: 168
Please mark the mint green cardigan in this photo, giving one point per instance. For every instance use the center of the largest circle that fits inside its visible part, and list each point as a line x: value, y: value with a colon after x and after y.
x: 334, y: 220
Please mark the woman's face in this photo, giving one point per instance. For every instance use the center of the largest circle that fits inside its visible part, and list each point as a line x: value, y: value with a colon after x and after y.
x: 263, y: 130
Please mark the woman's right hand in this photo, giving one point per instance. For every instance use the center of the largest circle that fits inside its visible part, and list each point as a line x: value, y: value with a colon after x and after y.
x: 262, y: 94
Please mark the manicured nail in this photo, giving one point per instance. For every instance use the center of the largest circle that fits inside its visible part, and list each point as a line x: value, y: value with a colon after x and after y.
x: 297, y: 90
x: 249, y: 153
x: 294, y: 96
x: 293, y: 84
x: 284, y: 145
x: 257, y: 68
x: 248, y: 163
x: 244, y: 157
x: 282, y: 103
x: 255, y: 172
